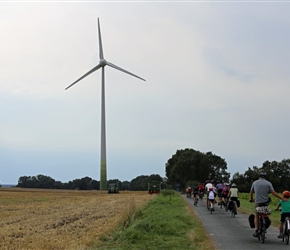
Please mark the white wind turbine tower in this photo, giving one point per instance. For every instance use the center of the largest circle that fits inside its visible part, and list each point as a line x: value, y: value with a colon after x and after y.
x: 102, y: 64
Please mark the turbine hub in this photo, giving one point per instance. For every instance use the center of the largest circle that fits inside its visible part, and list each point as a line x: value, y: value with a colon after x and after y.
x: 103, y: 62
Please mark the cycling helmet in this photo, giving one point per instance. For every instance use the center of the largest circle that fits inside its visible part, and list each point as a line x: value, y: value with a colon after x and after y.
x: 286, y: 193
x: 227, y: 184
x: 234, y: 185
x: 262, y: 173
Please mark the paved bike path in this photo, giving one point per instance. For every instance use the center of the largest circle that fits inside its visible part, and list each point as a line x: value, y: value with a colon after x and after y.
x: 234, y: 233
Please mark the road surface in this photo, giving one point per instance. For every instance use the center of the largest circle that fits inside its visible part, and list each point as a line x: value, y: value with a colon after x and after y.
x: 234, y: 233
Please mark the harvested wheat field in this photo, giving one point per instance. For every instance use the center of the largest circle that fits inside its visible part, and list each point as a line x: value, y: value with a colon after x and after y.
x: 61, y: 219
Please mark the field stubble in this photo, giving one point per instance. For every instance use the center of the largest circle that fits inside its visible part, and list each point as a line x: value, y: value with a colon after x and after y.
x: 59, y: 219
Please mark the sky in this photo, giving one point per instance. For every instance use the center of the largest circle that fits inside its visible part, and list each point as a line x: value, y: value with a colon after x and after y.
x: 217, y: 80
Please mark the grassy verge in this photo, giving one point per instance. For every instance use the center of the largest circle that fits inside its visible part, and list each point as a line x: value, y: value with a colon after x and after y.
x: 249, y: 208
x: 166, y: 222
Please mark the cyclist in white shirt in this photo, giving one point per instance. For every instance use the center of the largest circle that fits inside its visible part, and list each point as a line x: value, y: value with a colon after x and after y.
x: 208, y: 185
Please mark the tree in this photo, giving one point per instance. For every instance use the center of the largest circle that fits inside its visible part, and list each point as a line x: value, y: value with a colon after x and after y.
x: 191, y: 166
x: 278, y: 173
x: 125, y: 185
x: 45, y: 181
x: 28, y: 182
x: 140, y: 183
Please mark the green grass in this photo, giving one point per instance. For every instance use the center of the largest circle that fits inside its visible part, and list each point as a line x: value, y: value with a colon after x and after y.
x: 166, y: 222
x: 249, y: 207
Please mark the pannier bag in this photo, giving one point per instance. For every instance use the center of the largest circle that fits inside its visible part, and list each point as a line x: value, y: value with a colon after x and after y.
x: 252, y: 220
x: 268, y: 222
x: 230, y: 205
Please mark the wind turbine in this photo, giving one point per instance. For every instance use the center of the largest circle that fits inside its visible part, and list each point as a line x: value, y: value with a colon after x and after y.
x: 102, y: 64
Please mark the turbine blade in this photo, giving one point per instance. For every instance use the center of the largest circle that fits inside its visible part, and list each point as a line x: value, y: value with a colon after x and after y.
x: 100, y: 41
x: 88, y: 73
x: 123, y: 70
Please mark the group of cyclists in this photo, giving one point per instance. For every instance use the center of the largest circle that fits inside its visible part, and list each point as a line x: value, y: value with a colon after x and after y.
x: 225, y: 193
x: 259, y: 193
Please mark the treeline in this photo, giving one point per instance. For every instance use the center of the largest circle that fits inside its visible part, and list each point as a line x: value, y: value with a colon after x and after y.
x: 189, y: 167
x: 139, y: 183
x: 278, y: 173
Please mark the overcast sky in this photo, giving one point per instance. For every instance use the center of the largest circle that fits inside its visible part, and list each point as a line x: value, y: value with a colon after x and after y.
x: 217, y: 79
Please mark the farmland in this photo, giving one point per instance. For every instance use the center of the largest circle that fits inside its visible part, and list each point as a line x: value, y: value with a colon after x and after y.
x: 60, y: 219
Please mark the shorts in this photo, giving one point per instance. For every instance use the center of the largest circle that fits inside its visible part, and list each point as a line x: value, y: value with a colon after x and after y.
x: 225, y: 195
x: 212, y: 200
x: 234, y: 198
x: 195, y: 193
x: 283, y: 216
x: 219, y: 192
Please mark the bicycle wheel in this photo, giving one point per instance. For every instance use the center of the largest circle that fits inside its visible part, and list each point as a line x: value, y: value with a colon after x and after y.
x: 260, y: 228
x: 263, y: 231
x: 234, y: 210
x: 286, y: 233
x: 286, y: 238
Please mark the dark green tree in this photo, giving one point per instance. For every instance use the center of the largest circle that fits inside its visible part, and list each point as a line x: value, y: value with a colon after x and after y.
x: 192, y: 166
x: 140, y: 183
x: 125, y: 185
x: 45, y: 181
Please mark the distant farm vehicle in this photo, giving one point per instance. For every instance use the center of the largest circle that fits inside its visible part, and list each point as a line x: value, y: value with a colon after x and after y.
x: 154, y: 187
x: 113, y: 188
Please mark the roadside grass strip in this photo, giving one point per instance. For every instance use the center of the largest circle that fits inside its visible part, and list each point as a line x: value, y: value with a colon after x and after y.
x: 166, y: 222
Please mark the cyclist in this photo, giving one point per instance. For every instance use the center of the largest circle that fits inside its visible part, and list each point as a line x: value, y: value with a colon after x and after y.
x: 188, y: 192
x: 219, y: 188
x: 201, y: 189
x: 225, y: 192
x: 195, y: 192
x: 285, y: 205
x: 211, y: 197
x: 262, y: 188
x: 208, y: 185
x: 233, y: 194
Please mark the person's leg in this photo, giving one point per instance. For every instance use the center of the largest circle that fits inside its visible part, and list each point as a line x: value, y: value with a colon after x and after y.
x: 282, y: 220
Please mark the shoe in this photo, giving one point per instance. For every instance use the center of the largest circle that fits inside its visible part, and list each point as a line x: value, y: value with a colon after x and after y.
x: 280, y: 236
x: 235, y: 213
x: 255, y: 234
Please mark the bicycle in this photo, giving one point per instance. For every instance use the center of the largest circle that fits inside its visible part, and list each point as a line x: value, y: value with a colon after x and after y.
x: 286, y: 230
x: 195, y: 199
x: 234, y: 209
x: 201, y: 194
x: 226, y: 204
x: 286, y: 233
x: 263, y: 211
x: 211, y: 208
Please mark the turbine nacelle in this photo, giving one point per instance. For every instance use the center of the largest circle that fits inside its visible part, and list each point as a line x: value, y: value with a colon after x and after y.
x: 103, y: 63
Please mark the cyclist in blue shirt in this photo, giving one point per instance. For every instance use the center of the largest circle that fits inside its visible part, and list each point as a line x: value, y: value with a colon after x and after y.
x: 262, y: 188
